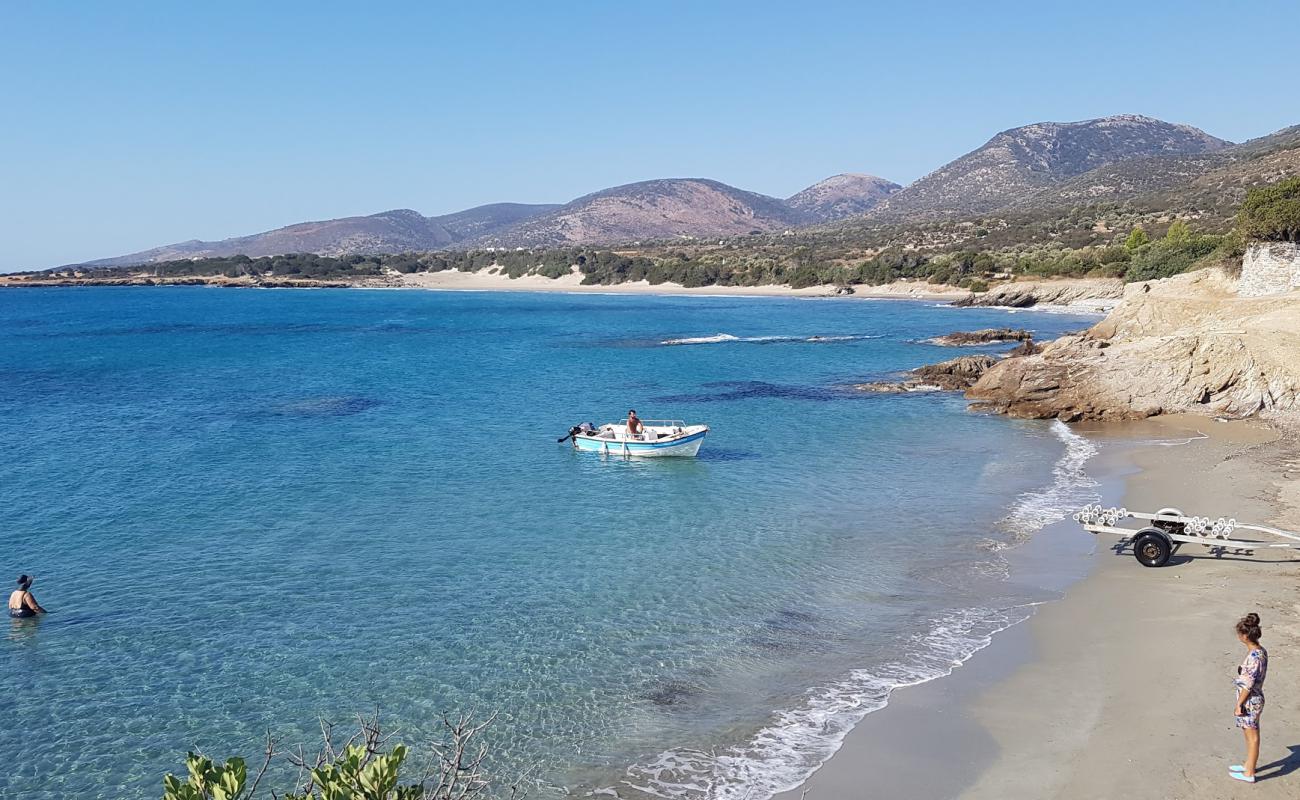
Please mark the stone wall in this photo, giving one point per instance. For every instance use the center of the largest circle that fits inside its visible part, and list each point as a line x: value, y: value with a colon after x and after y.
x: 1269, y: 268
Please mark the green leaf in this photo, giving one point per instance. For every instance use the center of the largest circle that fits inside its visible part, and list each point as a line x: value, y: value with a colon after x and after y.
x: 171, y: 787
x: 200, y: 770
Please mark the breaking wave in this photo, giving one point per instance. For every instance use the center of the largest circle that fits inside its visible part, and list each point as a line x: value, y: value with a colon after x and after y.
x: 1071, y: 488
x: 720, y: 338
x: 781, y: 755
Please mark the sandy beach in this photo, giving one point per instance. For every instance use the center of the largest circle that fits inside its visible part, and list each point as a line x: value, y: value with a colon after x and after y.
x: 484, y: 281
x: 1123, y: 688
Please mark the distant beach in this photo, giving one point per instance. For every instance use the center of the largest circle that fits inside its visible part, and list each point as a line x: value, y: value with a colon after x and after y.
x: 484, y: 281
x: 1050, y: 298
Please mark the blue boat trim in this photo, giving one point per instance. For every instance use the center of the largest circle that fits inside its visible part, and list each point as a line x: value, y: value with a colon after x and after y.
x: 600, y: 444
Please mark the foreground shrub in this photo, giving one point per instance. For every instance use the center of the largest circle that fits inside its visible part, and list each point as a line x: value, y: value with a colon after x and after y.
x: 364, y: 767
x: 1272, y: 213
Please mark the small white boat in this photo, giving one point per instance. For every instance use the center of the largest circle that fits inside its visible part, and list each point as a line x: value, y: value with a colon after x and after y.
x: 659, y: 437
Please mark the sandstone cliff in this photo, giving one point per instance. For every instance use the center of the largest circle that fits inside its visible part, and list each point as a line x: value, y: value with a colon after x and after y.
x: 1187, y: 343
x: 1082, y: 293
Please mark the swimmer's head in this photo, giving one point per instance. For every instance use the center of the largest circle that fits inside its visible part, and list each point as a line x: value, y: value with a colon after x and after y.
x: 24, y: 581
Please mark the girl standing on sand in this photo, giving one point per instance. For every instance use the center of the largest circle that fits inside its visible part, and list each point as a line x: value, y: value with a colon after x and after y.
x: 1250, y: 694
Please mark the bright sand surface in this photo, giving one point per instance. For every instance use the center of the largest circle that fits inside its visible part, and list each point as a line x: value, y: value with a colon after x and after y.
x: 483, y: 281
x: 1124, y: 688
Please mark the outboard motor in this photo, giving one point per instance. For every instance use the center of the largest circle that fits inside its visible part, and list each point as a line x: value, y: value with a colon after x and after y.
x: 586, y: 427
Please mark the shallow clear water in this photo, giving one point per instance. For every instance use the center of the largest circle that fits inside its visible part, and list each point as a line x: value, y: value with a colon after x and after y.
x: 248, y: 509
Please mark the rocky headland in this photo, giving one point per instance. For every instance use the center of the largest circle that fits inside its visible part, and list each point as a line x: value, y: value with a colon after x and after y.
x: 222, y: 281
x: 1187, y: 343
x: 954, y: 375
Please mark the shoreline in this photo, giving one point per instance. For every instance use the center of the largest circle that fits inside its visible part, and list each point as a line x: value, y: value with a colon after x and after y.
x: 480, y: 282
x: 1037, y: 712
x: 450, y: 280
x: 455, y: 281
x: 1149, y: 654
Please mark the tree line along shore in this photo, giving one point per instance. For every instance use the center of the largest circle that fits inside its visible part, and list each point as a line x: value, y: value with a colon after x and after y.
x: 968, y: 255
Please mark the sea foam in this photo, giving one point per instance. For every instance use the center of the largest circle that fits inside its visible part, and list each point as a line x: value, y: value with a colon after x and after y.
x: 782, y: 755
x: 720, y: 338
x: 1071, y: 488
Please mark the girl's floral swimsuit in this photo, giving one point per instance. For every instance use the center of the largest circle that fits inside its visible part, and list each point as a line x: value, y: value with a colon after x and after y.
x: 1250, y: 675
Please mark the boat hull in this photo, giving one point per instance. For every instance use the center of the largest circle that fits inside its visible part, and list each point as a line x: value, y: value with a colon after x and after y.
x: 684, y: 446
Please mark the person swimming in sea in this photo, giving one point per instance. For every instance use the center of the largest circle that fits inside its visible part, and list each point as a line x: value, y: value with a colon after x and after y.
x: 22, y: 603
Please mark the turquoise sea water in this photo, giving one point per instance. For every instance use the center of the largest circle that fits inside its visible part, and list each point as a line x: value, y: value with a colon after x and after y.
x: 251, y: 509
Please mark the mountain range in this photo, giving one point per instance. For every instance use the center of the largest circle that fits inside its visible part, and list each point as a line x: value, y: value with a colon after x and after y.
x: 1020, y: 162
x: 396, y: 231
x: 1049, y: 165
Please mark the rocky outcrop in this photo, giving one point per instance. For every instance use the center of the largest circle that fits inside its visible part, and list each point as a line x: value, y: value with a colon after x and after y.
x: 1084, y: 294
x: 1269, y: 268
x: 1026, y: 348
x: 948, y: 376
x: 1188, y: 343
x: 984, y: 336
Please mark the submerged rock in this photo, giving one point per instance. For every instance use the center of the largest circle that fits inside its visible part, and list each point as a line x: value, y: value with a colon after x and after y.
x: 671, y: 694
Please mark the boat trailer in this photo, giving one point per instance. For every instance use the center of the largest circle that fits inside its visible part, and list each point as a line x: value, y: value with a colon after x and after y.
x: 1169, y: 528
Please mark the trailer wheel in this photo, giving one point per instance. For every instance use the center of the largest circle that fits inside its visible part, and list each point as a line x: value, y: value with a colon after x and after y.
x: 1166, y: 526
x: 1152, y: 547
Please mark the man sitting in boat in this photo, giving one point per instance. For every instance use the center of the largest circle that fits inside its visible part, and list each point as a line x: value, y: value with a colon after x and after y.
x: 634, y: 426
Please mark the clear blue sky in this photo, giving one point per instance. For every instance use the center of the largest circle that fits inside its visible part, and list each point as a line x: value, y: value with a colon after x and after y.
x: 128, y: 125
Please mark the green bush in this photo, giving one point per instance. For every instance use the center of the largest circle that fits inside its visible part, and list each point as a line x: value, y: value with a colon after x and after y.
x: 1136, y: 238
x: 365, y: 767
x: 1272, y: 213
x: 1170, y: 256
x: 354, y: 774
x: 803, y: 277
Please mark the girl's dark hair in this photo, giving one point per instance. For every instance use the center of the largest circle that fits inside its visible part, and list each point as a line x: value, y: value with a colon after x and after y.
x: 24, y: 581
x: 1248, y: 626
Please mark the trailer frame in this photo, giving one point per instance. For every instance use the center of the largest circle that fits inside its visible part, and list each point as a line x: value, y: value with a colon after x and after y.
x: 1169, y: 529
